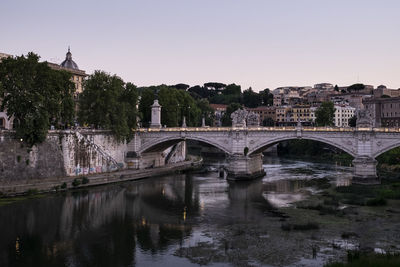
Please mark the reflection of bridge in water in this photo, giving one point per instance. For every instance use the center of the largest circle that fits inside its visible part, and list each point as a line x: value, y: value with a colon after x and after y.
x: 243, y: 145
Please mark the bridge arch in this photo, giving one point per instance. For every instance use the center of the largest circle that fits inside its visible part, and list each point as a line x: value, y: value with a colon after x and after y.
x: 261, y: 147
x: 163, y: 143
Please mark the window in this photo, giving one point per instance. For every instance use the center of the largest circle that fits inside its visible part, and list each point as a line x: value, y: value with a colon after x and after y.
x: 2, y: 123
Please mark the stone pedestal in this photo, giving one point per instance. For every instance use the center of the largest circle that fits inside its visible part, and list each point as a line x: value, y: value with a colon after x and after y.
x: 155, y: 115
x: 133, y: 163
x: 365, y: 171
x: 242, y: 167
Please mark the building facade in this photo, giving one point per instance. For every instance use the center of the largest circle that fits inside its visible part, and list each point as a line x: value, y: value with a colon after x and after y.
x: 267, y: 114
x: 78, y: 76
x: 385, y: 111
x: 343, y: 113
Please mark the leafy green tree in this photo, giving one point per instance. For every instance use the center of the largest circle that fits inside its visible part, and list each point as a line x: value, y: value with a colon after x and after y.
x: 130, y: 98
x: 251, y: 99
x: 336, y: 88
x: 267, y: 97
x: 199, y: 92
x: 147, y: 99
x: 180, y: 86
x: 232, y: 89
x: 391, y: 157
x: 107, y: 104
x: 206, y: 111
x: 170, y: 106
x: 325, y: 114
x: 188, y: 108
x: 215, y: 85
x: 353, y: 121
x: 226, y: 118
x: 35, y: 96
x: 356, y: 87
x: 175, y: 104
x: 231, y: 94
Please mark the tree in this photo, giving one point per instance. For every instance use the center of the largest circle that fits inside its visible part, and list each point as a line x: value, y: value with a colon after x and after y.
x: 226, y: 118
x: 206, y: 111
x: 231, y: 94
x: 232, y: 89
x: 200, y: 91
x: 267, y: 97
x: 336, y: 88
x: 356, y: 87
x: 36, y: 96
x: 168, y: 99
x: 146, y: 100
x: 107, y: 104
x: 188, y: 108
x: 251, y: 99
x: 175, y: 104
x: 215, y: 85
x: 325, y: 114
x: 353, y: 121
x: 130, y: 98
x: 180, y: 86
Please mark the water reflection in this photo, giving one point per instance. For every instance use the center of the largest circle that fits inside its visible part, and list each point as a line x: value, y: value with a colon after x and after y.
x: 118, y: 225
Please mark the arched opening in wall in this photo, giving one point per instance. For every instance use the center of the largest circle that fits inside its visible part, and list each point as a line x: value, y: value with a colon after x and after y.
x: 165, y: 151
x: 162, y: 145
x: 203, y: 149
x: 313, y: 149
x: 307, y: 148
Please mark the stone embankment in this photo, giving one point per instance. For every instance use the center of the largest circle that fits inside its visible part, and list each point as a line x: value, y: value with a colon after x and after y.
x: 56, y: 184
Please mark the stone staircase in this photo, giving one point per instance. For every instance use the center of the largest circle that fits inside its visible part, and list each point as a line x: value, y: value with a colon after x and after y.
x: 98, y: 149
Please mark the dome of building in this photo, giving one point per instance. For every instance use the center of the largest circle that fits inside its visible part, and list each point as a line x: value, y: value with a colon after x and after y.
x: 68, y: 62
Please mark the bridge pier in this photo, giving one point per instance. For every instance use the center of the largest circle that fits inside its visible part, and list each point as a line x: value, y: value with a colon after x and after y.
x: 241, y: 167
x: 365, y: 170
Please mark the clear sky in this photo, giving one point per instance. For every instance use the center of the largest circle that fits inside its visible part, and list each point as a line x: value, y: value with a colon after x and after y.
x: 257, y: 43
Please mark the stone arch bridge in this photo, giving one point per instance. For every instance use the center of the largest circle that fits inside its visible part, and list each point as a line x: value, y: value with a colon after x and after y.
x: 243, y: 145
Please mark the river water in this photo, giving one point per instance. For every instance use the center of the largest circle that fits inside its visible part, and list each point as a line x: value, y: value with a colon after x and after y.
x: 178, y: 220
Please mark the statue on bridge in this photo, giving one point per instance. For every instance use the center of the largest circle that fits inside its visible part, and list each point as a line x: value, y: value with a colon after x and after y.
x: 253, y: 119
x: 364, y: 118
x: 239, y: 118
x: 243, y: 118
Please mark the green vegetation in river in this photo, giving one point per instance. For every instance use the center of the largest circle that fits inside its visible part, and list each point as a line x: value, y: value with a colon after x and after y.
x: 357, y: 259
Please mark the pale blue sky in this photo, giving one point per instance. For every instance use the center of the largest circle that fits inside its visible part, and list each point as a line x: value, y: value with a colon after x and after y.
x: 258, y: 43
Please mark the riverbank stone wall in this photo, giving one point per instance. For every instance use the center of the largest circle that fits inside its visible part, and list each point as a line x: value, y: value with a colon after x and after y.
x: 64, y: 153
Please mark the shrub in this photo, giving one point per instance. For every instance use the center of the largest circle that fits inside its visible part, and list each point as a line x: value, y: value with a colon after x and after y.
x: 76, y: 182
x: 307, y: 226
x: 85, y: 180
x: 347, y: 235
x: 286, y: 227
x: 357, y: 258
x: 299, y: 227
x: 64, y: 185
x: 379, y: 201
x: 32, y: 191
